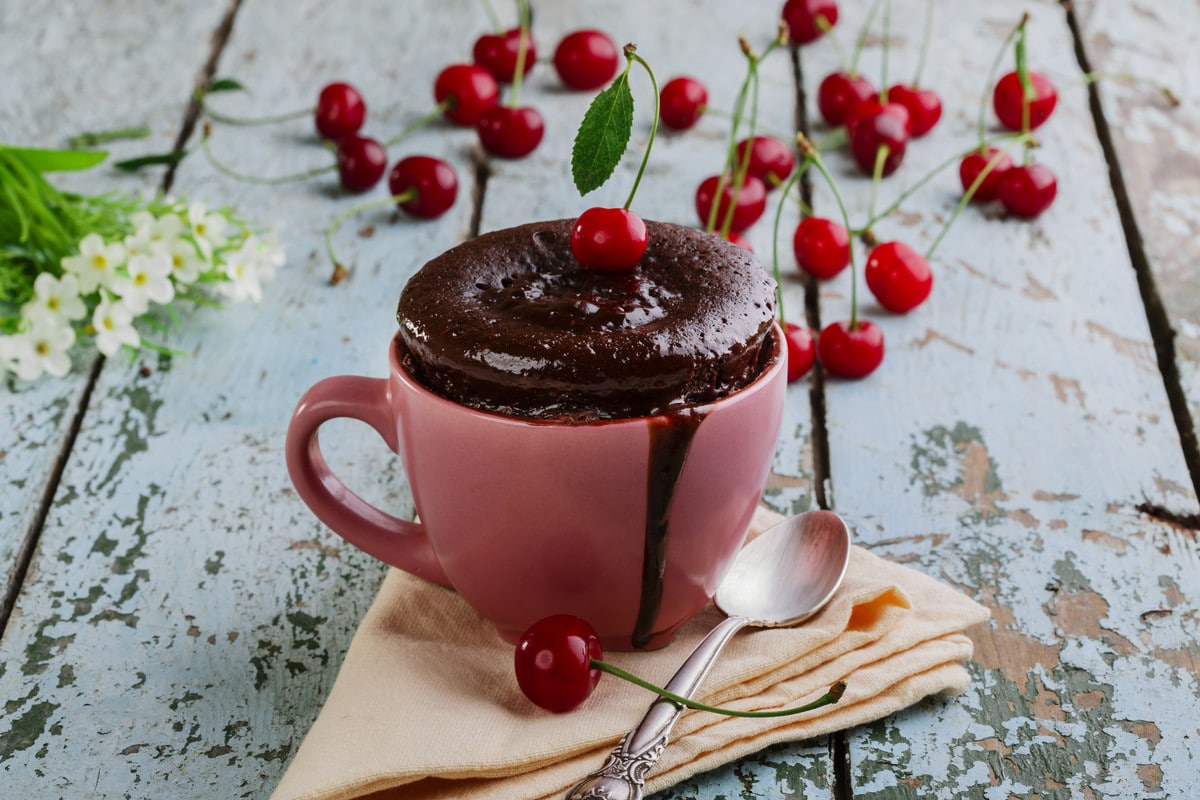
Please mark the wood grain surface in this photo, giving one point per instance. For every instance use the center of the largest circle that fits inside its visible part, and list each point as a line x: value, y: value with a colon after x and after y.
x: 177, y: 614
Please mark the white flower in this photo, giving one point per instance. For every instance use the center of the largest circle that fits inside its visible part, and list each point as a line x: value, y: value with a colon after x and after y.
x: 153, y: 234
x: 208, y: 228
x: 186, y: 263
x: 96, y: 263
x: 148, y: 280
x: 42, y: 348
x: 55, y: 299
x: 114, y: 327
x: 244, y: 281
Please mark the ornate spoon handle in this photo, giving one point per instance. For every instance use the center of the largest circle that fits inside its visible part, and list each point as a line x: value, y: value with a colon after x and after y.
x: 623, y: 775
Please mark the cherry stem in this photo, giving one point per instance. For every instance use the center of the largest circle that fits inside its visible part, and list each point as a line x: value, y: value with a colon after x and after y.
x: 631, y: 56
x: 274, y: 181
x: 810, y: 153
x: 887, y: 46
x: 216, y: 116
x: 963, y: 201
x: 522, y: 46
x: 743, y: 166
x: 839, y: 48
x: 881, y: 154
x: 991, y: 77
x: 926, y: 36
x: 911, y: 190
x: 862, y: 37
x: 783, y: 193
x: 404, y: 197
x: 1094, y: 77
x: 420, y: 122
x: 493, y: 18
x: 93, y: 138
x: 829, y: 698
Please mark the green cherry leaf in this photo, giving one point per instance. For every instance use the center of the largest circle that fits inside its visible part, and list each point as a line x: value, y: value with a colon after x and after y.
x: 223, y: 85
x: 603, y: 136
x: 44, y: 160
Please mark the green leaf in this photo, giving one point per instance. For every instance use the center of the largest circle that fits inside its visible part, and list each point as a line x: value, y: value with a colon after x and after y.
x: 43, y: 160
x: 603, y: 136
x: 224, y: 85
x: 134, y: 164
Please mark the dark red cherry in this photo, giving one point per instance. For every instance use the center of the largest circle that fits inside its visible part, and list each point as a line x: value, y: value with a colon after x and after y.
x: 468, y: 90
x: 801, y: 350
x: 586, y: 59
x: 510, y: 132
x: 771, y: 161
x: 431, y: 182
x: 802, y: 18
x: 822, y: 247
x: 553, y: 662
x: 1028, y: 190
x: 974, y: 163
x: 839, y: 92
x: 850, y: 352
x: 340, y: 111
x: 923, y: 105
x: 361, y: 162
x: 498, y: 52
x: 748, y: 205
x: 682, y: 102
x: 1009, y: 100
x: 872, y: 125
x: 898, y: 276
x: 608, y: 239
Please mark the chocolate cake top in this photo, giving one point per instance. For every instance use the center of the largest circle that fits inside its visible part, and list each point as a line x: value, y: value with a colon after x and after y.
x: 510, y: 322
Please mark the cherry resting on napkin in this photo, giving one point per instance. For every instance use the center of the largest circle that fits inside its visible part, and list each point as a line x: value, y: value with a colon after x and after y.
x: 558, y: 664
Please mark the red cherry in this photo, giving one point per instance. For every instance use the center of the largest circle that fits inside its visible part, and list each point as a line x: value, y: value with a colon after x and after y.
x: 850, y: 352
x: 469, y: 90
x: 748, y: 206
x: 361, y: 162
x: 839, y: 92
x: 801, y: 18
x: 923, y: 105
x: 871, y: 125
x: 898, y: 276
x: 608, y: 239
x: 1008, y: 99
x: 498, y: 52
x: 340, y: 111
x: 801, y: 350
x: 432, y: 181
x: 586, y: 59
x: 510, y: 132
x: 822, y: 247
x: 771, y: 161
x: 682, y: 102
x: 553, y: 662
x: 976, y: 162
x: 1028, y: 190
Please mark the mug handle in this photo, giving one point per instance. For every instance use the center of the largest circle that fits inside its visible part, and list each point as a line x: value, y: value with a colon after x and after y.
x: 392, y: 540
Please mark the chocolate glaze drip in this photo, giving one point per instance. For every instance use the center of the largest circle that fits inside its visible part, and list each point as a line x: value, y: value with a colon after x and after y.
x: 670, y: 439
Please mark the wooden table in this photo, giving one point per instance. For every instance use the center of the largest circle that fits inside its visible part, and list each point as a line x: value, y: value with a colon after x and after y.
x: 174, y: 617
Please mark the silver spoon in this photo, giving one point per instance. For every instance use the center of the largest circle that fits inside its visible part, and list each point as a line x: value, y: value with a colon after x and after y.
x: 779, y: 579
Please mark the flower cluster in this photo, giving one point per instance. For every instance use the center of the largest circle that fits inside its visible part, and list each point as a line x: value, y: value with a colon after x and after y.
x: 111, y: 287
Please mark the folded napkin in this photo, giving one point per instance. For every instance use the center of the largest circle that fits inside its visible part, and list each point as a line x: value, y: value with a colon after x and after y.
x: 426, y: 705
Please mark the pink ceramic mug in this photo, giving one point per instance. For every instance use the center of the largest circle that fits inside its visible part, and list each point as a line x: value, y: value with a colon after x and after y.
x: 630, y: 524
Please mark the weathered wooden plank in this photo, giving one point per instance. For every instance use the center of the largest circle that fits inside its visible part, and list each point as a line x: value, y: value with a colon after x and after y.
x: 185, y: 614
x: 1134, y: 46
x: 66, y: 71
x: 1017, y: 422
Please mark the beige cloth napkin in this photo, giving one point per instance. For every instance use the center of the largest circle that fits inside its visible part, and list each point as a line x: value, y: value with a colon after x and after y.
x: 426, y: 705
